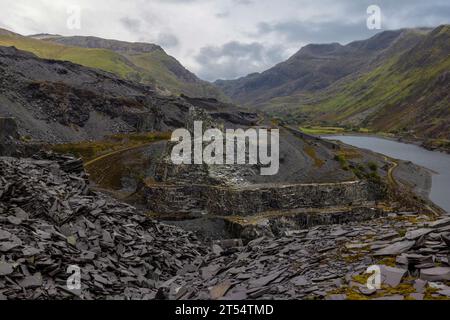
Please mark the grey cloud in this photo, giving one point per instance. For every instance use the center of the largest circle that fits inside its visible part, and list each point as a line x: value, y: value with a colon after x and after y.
x: 306, y: 32
x: 243, y: 2
x: 427, y: 15
x: 178, y: 1
x: 167, y: 40
x: 132, y: 25
x: 222, y: 15
x: 164, y: 39
x: 352, y: 26
x: 267, y: 30
x: 235, y: 59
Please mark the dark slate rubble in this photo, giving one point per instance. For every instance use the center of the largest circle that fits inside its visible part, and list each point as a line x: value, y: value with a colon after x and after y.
x: 50, y: 219
x: 328, y: 262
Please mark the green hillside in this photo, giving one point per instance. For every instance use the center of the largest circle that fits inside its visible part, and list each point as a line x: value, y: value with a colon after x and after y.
x: 95, y: 58
x: 154, y: 67
x: 407, y: 93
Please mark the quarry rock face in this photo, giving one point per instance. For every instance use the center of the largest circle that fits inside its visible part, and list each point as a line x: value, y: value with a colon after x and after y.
x: 257, y: 198
x: 228, y: 189
x: 8, y: 129
x: 11, y: 143
x: 9, y: 136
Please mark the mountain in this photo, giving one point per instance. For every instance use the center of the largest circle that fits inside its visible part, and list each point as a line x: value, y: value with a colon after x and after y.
x: 396, y: 81
x: 408, y: 94
x: 141, y: 62
x: 314, y: 67
x: 59, y: 101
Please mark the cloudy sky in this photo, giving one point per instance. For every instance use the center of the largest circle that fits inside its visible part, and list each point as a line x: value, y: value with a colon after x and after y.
x: 221, y: 39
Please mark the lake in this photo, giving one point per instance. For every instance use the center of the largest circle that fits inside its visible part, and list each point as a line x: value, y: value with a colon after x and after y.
x: 438, y: 162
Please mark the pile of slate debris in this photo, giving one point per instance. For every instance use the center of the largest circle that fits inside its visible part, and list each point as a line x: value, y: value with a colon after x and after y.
x: 329, y: 262
x: 51, y: 220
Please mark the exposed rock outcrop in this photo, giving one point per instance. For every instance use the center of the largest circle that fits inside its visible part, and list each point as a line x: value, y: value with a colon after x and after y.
x: 56, y: 101
x: 9, y: 136
x: 227, y: 189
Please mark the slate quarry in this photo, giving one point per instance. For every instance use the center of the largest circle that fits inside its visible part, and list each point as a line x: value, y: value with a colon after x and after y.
x: 50, y: 219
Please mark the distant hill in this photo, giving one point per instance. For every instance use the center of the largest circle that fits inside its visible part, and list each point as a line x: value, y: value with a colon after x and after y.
x: 142, y: 62
x: 59, y: 101
x: 396, y: 81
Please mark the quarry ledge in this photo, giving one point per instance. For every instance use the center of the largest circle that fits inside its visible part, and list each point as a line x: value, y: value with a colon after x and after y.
x: 253, y: 199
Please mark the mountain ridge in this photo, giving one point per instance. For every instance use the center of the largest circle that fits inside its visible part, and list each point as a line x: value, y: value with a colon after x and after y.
x: 141, y: 62
x: 366, y: 83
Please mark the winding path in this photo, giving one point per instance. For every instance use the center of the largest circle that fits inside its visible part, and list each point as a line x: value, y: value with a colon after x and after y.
x: 109, y: 154
x: 391, y: 177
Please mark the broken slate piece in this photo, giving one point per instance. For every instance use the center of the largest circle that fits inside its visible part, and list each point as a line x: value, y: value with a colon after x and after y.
x: 299, y: 281
x: 261, y: 282
x: 6, y: 268
x: 4, y: 235
x: 445, y: 293
x: 392, y: 276
x: 33, y: 281
x: 218, y: 291
x: 417, y: 296
x: 30, y: 251
x: 419, y: 285
x: 395, y: 248
x: 440, y: 223
x: 435, y: 274
x: 217, y: 249
x: 416, y: 234
x: 14, y: 220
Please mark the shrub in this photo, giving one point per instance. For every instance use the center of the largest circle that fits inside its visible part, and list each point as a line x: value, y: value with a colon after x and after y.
x: 372, y: 166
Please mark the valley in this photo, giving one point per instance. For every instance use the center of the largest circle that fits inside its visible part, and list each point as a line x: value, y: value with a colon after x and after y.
x: 395, y: 82
x: 87, y: 177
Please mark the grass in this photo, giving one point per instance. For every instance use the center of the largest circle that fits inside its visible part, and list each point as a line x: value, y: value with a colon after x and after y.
x: 95, y: 58
x: 350, y: 153
x: 367, y: 171
x: 438, y: 143
x: 322, y: 130
x: 317, y: 130
x: 405, y: 289
x: 342, y: 161
x: 311, y: 152
x: 384, y: 90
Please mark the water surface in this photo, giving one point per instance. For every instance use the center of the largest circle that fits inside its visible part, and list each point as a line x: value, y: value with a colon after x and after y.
x: 438, y: 162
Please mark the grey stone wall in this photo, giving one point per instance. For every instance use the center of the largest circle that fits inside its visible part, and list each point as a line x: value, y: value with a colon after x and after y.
x: 219, y: 200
